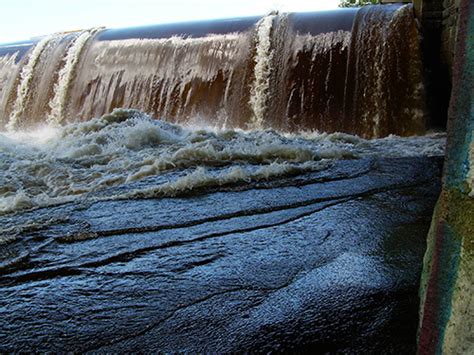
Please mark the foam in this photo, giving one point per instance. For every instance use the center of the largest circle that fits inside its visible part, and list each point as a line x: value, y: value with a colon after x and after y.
x: 15, y: 202
x: 113, y: 156
x: 324, y: 42
x: 263, y: 66
x: 202, y: 178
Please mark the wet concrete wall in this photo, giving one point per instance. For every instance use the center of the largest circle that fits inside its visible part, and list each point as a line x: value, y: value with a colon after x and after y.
x: 447, y: 308
x: 441, y: 16
x: 450, y: 18
x: 438, y: 20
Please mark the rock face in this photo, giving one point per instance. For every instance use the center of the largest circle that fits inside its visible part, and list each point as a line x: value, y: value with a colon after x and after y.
x: 328, y: 262
x: 447, y: 310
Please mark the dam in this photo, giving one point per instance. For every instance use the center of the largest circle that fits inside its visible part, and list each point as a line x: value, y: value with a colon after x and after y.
x: 260, y: 184
x: 238, y: 73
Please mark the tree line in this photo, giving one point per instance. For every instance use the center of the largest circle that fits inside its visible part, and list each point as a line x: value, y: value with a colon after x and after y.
x: 353, y: 3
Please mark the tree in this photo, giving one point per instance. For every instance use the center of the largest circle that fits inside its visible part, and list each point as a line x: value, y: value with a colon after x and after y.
x: 354, y: 3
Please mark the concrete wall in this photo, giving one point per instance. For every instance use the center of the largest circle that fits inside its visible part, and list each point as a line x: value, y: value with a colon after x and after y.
x: 438, y: 20
x: 449, y: 22
x: 440, y: 16
x: 447, y: 287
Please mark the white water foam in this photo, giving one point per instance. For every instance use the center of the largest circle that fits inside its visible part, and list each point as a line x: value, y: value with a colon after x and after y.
x: 115, y: 155
x: 263, y: 67
x: 323, y: 42
x: 202, y: 178
x: 66, y: 74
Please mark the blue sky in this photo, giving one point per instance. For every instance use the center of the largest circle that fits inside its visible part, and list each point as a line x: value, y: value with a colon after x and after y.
x: 23, y: 19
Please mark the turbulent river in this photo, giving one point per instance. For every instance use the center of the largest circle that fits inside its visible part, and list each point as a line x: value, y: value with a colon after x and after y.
x: 128, y: 154
x: 154, y: 236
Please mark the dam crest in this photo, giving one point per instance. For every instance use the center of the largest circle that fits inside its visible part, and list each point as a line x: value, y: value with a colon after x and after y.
x: 354, y: 71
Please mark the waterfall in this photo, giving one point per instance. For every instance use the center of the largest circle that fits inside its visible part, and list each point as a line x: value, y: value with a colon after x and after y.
x: 384, y: 87
x: 23, y: 89
x: 8, y: 66
x: 356, y: 71
x: 263, y: 66
x: 62, y: 87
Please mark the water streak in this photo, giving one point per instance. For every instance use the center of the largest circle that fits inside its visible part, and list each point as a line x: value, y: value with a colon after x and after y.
x: 62, y: 87
x: 24, y: 88
x: 263, y: 66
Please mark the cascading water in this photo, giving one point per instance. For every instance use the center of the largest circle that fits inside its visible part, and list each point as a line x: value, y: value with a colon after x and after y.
x: 223, y: 186
x: 66, y: 75
x: 287, y: 72
x: 263, y: 66
x: 384, y: 87
x: 23, y: 89
x: 349, y: 71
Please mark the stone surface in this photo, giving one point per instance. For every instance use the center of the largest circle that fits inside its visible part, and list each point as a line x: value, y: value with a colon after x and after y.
x: 437, y: 72
x: 325, y: 262
x: 442, y: 16
x: 447, y: 309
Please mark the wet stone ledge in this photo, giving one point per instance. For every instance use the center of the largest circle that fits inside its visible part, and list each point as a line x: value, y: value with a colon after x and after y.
x: 327, y: 262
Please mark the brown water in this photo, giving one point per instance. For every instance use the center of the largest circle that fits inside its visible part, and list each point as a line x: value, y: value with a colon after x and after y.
x: 356, y: 72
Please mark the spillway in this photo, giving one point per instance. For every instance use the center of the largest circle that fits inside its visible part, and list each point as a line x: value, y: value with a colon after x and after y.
x: 227, y: 186
x: 355, y: 71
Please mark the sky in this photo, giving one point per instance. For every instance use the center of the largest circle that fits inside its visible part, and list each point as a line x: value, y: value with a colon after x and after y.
x: 23, y: 19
